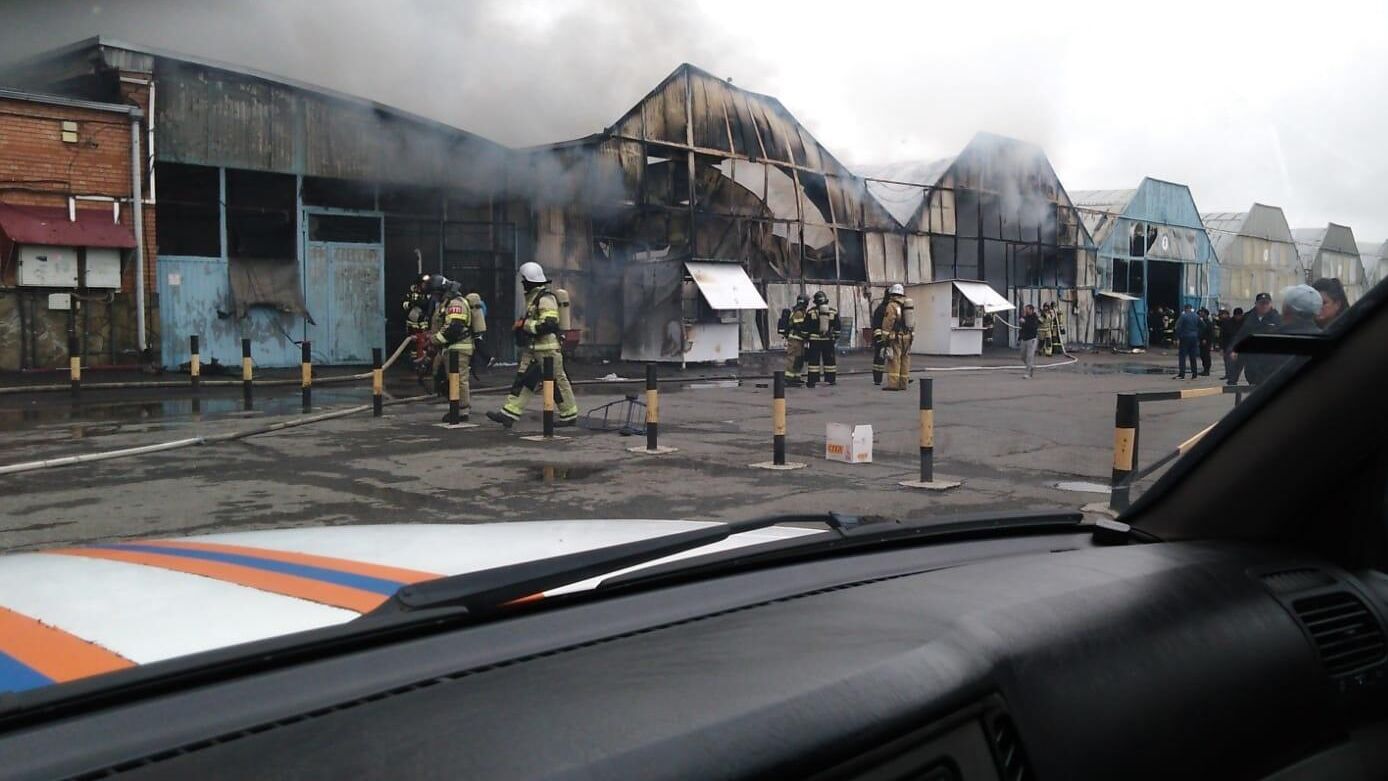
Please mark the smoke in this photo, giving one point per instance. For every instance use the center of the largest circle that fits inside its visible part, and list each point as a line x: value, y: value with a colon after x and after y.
x: 520, y: 73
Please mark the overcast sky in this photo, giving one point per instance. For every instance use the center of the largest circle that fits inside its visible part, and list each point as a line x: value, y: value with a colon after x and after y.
x: 1283, y: 103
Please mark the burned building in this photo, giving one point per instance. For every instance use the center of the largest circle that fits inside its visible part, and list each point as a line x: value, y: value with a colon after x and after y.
x: 289, y: 211
x: 1255, y: 251
x: 702, y: 172
x: 996, y: 213
x: 1330, y: 252
x: 1152, y: 247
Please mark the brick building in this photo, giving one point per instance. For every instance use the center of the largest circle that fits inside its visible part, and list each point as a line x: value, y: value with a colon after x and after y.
x: 68, y: 254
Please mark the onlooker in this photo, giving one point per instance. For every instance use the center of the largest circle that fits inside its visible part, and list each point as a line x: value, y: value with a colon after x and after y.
x: 1300, y: 306
x: 1227, y: 334
x: 1207, y: 335
x: 1262, y: 319
x: 1334, y: 302
x: 1030, y: 327
x: 1187, y: 330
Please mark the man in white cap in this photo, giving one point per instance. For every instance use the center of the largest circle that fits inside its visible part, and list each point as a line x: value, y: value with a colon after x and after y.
x: 1300, y: 305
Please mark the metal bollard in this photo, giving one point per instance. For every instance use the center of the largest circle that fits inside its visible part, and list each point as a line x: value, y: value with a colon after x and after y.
x: 74, y: 364
x: 927, y: 412
x: 306, y: 374
x: 246, y: 373
x: 194, y: 363
x: 454, y: 388
x: 652, y: 409
x: 778, y: 418
x: 927, y: 480
x: 378, y: 383
x: 1125, y: 425
x: 548, y: 393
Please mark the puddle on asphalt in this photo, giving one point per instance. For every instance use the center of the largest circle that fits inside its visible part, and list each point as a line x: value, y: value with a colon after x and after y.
x: 1080, y: 486
x: 99, y: 418
x: 1124, y: 368
x: 555, y: 473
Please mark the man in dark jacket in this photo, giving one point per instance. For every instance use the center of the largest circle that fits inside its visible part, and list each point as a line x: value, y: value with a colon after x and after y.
x: 1026, y: 339
x: 1187, y: 332
x: 1228, y: 333
x: 1207, y: 336
x: 1300, y: 306
x: 1262, y: 319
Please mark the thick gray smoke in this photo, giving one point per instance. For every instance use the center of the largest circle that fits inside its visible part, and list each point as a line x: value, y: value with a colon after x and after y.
x: 519, y: 73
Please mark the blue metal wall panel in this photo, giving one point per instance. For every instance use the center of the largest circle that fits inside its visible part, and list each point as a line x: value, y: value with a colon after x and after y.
x: 194, y: 294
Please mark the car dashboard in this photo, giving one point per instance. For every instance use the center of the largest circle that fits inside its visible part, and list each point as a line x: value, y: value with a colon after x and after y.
x: 1040, y: 656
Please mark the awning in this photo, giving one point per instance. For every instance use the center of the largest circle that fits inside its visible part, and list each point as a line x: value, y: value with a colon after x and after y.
x: 1117, y: 295
x: 725, y: 285
x: 983, y: 296
x: 49, y: 225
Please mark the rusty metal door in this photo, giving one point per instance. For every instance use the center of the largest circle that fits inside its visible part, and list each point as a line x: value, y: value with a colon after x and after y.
x: 344, y: 285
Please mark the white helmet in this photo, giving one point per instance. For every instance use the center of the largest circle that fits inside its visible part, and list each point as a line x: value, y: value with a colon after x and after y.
x: 896, y: 290
x: 532, y: 273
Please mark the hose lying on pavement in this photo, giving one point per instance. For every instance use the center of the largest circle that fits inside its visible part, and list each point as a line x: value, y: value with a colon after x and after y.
x: 366, y: 375
x: 104, y: 455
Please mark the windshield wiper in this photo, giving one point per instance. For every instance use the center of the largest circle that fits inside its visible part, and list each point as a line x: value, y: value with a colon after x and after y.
x: 492, y: 588
x: 856, y: 535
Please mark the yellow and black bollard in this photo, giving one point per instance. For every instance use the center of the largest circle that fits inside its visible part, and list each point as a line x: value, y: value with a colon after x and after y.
x: 378, y: 383
x: 454, y: 388
x: 548, y: 394
x: 778, y: 427
x: 1125, y: 425
x: 306, y: 374
x: 194, y: 363
x: 927, y: 443
x: 652, y: 447
x: 246, y: 374
x: 74, y: 364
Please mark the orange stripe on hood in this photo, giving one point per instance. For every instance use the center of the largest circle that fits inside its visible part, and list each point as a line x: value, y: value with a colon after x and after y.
x: 289, y: 585
x: 53, y: 652
x: 328, y: 562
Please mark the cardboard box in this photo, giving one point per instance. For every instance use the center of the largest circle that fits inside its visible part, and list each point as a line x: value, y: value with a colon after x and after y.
x: 850, y: 444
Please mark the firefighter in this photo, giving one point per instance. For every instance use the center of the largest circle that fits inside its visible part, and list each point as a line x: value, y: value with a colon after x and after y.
x: 879, y: 339
x: 453, y: 334
x: 899, y: 328
x: 1168, y: 327
x: 822, y: 324
x: 538, y: 335
x: 1047, y: 340
x: 418, y: 306
x: 793, y: 329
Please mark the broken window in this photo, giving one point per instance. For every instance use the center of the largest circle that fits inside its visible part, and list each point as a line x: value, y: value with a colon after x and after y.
x: 966, y: 213
x: 189, y: 221
x: 344, y: 229
x: 414, y: 201
x: 1137, y: 241
x: 852, y: 263
x: 339, y: 193
x: 260, y: 215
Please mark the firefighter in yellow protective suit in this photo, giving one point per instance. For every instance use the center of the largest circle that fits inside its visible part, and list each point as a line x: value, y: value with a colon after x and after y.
x: 538, y: 336
x: 453, y: 333
x: 898, y: 329
x: 795, y: 340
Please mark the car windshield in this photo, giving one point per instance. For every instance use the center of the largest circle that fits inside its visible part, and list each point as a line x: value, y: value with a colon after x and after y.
x: 302, y: 307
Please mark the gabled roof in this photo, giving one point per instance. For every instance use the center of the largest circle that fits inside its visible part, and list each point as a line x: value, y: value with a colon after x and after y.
x: 1260, y: 221
x: 1310, y: 242
x: 901, y: 187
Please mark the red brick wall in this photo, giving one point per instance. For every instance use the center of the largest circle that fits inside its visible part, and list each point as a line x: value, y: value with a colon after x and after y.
x: 38, y: 169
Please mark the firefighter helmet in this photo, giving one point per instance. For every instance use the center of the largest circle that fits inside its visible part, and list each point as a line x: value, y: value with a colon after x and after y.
x: 802, y: 300
x: 438, y: 283
x: 820, y: 297
x: 532, y: 273
x: 896, y: 289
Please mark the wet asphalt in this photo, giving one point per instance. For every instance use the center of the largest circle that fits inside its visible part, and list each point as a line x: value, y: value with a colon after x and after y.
x: 1009, y: 440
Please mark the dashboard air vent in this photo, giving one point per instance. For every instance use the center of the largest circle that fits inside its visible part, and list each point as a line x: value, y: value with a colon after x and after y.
x: 1345, y: 633
x: 1290, y: 581
x: 1012, y: 760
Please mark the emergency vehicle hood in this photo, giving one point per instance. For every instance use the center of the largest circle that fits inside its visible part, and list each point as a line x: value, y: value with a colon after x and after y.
x: 72, y: 612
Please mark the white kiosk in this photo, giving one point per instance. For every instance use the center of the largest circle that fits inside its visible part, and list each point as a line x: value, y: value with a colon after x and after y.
x: 949, y: 315
x: 678, y: 311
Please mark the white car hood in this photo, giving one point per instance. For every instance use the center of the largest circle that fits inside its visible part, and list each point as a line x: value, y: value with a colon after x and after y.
x: 69, y: 613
